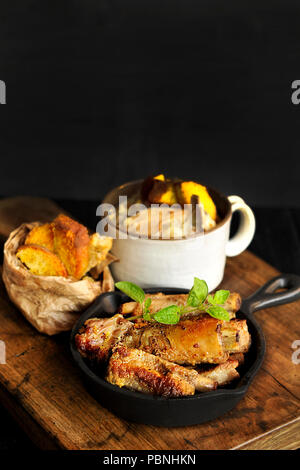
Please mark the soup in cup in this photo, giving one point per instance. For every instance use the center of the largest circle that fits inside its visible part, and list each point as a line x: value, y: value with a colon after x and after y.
x: 174, y: 262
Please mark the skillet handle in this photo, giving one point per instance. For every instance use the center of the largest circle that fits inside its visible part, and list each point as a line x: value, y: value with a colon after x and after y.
x: 267, y: 296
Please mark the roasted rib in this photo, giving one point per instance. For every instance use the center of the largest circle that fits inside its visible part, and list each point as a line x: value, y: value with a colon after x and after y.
x: 160, y: 300
x: 224, y: 373
x: 192, y: 341
x: 144, y: 372
x: 235, y: 336
x: 98, y: 336
x: 238, y: 357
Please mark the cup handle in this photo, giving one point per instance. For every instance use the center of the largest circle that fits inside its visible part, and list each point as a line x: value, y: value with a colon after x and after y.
x: 245, y: 233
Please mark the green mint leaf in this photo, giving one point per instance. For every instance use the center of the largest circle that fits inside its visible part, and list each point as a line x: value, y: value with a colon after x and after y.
x: 210, y: 299
x: 168, y: 315
x: 147, y: 304
x: 218, y: 312
x: 221, y: 296
x: 146, y: 312
x: 132, y: 290
x: 147, y: 316
x: 198, y: 293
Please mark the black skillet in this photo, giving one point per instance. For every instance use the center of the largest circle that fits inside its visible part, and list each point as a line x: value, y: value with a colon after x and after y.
x: 202, y: 407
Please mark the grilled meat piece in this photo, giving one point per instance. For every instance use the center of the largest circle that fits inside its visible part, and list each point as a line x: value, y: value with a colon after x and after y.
x: 235, y: 336
x: 144, y: 359
x: 238, y: 357
x: 224, y: 373
x: 144, y: 372
x: 99, y: 335
x: 160, y: 300
x: 192, y: 341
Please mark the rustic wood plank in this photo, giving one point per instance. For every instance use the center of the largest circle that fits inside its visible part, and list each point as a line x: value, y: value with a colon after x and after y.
x: 286, y: 437
x: 281, y: 325
x: 41, y: 379
x: 14, y: 211
x: 36, y: 433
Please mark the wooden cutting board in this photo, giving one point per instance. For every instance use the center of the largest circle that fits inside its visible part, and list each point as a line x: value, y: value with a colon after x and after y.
x: 41, y: 387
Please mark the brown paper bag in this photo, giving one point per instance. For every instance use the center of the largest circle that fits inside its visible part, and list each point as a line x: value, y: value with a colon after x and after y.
x: 50, y: 303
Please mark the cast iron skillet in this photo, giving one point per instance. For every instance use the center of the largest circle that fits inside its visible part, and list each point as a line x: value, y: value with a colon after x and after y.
x: 160, y: 411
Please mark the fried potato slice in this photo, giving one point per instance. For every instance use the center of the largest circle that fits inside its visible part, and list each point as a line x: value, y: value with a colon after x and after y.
x: 42, y: 236
x: 72, y: 244
x: 187, y: 189
x: 162, y: 192
x: 41, y: 261
x: 148, y: 183
x: 70, y: 241
x: 98, y: 250
x: 159, y: 190
x: 160, y: 177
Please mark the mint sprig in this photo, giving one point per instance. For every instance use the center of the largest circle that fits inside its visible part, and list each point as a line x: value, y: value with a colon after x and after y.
x: 220, y: 297
x: 169, y: 315
x: 198, y: 299
x: 218, y: 312
x: 132, y: 290
x: 198, y: 293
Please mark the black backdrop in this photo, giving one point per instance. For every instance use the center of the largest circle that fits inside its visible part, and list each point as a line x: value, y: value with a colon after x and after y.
x: 104, y: 91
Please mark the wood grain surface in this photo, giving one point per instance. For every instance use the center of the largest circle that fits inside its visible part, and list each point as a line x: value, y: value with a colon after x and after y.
x: 41, y: 387
x: 16, y: 210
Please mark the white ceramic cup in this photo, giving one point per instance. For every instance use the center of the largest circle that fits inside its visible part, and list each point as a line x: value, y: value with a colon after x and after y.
x: 175, y: 263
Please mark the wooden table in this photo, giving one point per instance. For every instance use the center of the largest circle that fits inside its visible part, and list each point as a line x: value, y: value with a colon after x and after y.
x: 42, y: 389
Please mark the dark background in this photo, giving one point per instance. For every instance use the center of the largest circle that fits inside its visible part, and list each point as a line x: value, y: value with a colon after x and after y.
x: 100, y: 92
x: 104, y: 91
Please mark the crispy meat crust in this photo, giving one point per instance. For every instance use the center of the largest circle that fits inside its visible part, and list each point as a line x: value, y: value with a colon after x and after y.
x: 189, y: 342
x: 138, y: 370
x: 238, y: 357
x: 150, y: 359
x: 41, y: 261
x: 235, y: 336
x: 71, y: 243
x: 99, y: 335
x: 224, y: 373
